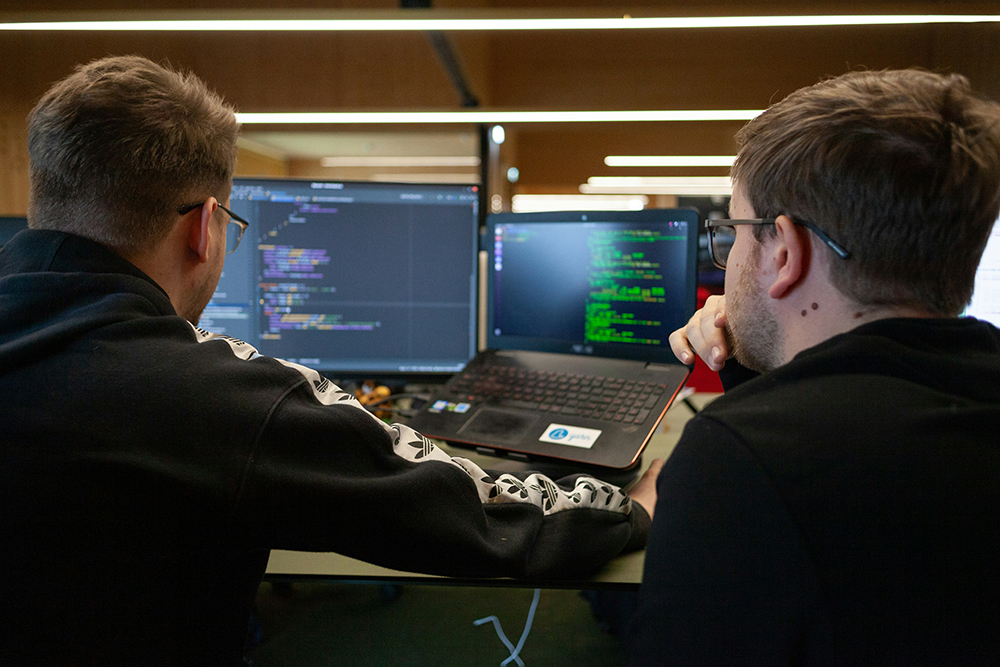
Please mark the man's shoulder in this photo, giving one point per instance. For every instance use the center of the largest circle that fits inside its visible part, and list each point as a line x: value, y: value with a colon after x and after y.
x: 898, y: 385
x: 945, y: 356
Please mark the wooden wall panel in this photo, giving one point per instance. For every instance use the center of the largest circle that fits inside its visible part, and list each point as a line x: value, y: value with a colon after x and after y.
x: 973, y: 52
x: 13, y: 161
x: 253, y: 163
x: 254, y: 71
x: 697, y: 69
x: 711, y: 68
x: 567, y: 155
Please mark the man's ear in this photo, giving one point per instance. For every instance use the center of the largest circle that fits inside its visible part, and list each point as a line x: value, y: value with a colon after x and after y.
x: 790, y: 256
x: 199, y: 227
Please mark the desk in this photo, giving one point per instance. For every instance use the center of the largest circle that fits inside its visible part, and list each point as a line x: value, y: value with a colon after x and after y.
x: 624, y: 572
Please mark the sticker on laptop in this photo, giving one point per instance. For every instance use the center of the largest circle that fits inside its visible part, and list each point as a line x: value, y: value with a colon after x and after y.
x: 574, y: 436
x: 445, y: 406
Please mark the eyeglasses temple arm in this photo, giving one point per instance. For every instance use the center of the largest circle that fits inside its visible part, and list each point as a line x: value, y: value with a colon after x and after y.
x: 836, y: 247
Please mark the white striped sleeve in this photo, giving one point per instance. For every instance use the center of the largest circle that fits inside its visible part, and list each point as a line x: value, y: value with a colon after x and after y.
x: 535, y: 489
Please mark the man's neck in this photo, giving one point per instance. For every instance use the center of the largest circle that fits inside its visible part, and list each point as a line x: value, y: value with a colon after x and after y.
x: 164, y: 264
x: 809, y: 320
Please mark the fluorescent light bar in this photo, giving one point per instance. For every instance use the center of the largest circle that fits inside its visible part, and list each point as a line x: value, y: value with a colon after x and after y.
x: 669, y: 160
x: 689, y: 190
x: 538, y: 203
x: 426, y: 178
x: 656, y: 181
x: 497, y: 24
x: 489, y: 117
x: 664, y: 185
x: 401, y: 161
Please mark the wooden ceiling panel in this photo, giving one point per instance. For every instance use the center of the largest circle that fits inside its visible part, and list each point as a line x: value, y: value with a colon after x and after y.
x: 707, y: 69
x: 255, y: 71
x: 584, y: 70
x: 560, y: 158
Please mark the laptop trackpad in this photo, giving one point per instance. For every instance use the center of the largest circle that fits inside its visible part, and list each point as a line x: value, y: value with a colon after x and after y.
x: 496, y: 425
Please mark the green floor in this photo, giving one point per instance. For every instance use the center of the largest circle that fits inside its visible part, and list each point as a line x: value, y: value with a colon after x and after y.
x: 344, y: 624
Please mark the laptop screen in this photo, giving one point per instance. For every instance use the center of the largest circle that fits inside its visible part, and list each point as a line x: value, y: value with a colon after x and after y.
x: 606, y: 284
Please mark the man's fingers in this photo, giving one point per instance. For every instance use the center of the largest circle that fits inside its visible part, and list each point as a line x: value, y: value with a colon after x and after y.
x: 704, y: 335
x: 681, y: 349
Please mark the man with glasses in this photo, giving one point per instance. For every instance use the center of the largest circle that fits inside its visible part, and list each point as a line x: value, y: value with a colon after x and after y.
x: 147, y: 467
x: 844, y: 506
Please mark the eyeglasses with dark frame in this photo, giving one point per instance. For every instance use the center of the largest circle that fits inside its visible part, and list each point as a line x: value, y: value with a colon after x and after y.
x: 233, y: 237
x: 722, y: 235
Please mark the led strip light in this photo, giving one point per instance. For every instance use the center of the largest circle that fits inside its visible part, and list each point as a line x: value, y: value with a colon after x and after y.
x: 493, y: 24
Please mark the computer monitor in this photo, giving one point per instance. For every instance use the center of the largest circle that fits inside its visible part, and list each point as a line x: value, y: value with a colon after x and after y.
x: 10, y: 225
x: 356, y: 279
x: 985, y: 303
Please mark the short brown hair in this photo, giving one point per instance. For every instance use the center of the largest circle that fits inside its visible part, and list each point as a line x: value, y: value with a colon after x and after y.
x: 119, y: 145
x: 902, y: 168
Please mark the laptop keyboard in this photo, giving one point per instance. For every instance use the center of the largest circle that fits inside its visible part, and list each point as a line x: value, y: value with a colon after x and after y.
x: 570, y: 394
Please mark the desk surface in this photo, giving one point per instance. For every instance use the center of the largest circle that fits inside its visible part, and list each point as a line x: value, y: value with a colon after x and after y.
x: 622, y: 572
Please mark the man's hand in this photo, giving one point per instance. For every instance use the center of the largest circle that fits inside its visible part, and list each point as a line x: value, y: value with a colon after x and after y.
x: 644, y: 491
x: 704, y: 335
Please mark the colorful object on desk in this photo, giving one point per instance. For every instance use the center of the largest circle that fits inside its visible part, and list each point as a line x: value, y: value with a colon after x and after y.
x: 369, y: 393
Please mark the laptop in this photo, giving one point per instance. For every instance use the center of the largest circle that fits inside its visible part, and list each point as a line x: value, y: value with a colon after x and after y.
x: 577, y: 366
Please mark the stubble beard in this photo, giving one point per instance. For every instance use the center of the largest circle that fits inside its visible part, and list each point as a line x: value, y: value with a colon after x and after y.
x: 752, y: 330
x: 193, y: 309
x: 196, y: 300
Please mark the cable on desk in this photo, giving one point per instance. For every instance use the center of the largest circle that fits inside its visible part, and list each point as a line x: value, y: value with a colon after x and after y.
x: 514, y: 650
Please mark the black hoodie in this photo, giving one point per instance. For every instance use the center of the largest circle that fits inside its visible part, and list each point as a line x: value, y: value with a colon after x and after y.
x: 842, y: 509
x: 147, y: 468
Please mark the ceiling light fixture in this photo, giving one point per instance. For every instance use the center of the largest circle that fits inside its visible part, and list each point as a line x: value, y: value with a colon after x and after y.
x: 484, y: 117
x: 669, y: 160
x: 525, y: 203
x: 661, y: 185
x: 401, y: 161
x: 427, y: 178
x: 432, y: 20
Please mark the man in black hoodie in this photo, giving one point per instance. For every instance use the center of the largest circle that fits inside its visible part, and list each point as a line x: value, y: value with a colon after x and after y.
x: 147, y: 467
x: 843, y: 508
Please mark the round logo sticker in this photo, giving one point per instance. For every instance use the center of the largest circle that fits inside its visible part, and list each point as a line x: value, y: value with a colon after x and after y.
x: 558, y: 433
